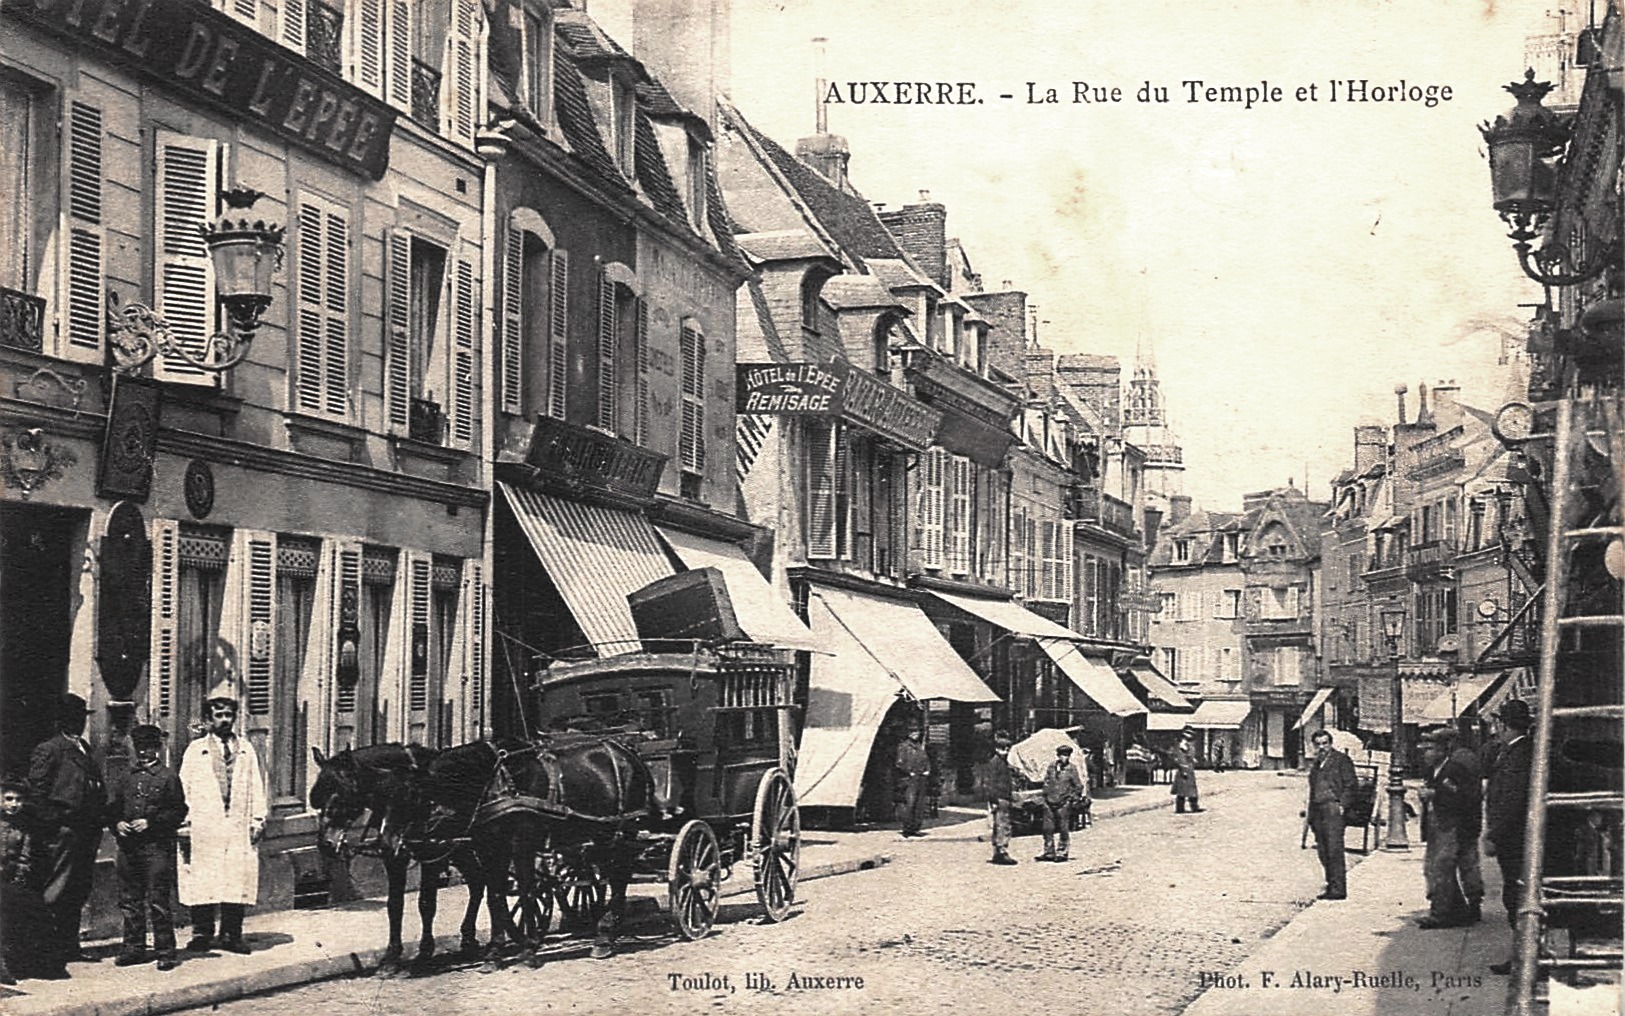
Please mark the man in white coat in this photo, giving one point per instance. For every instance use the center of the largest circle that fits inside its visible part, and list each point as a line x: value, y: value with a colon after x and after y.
x: 219, y: 867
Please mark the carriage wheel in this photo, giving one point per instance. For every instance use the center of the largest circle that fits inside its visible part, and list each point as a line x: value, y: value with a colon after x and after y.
x: 530, y: 908
x: 694, y: 879
x: 775, y: 837
x: 581, y: 893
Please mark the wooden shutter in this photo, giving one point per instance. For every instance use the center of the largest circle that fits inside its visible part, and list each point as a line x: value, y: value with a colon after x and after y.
x: 398, y: 384
x: 606, y: 353
x: 513, y: 322
x: 821, y: 480
x: 322, y: 343
x: 959, y: 551
x: 246, y: 11
x: 463, y: 322
x: 398, y: 63
x: 420, y: 648
x: 558, y: 321
x: 640, y: 339
x: 460, y: 114
x: 347, y: 586
x: 691, y: 438
x: 166, y: 577
x: 85, y: 293
x: 477, y: 675
x: 259, y: 638
x: 293, y: 25
x: 365, y: 28
x: 187, y: 196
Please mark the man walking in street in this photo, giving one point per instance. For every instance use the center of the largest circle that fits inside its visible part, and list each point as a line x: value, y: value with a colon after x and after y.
x: 225, y: 794
x: 1507, y: 761
x: 1184, y: 787
x: 999, y: 786
x: 67, y: 782
x: 1063, y: 791
x: 1331, y: 792
x: 914, y: 767
x: 1451, y: 802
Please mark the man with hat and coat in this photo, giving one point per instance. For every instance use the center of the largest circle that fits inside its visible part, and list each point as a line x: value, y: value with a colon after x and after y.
x: 1451, y: 816
x: 914, y: 768
x: 1184, y: 759
x: 145, y: 807
x: 1507, y: 761
x: 1000, y: 787
x: 70, y: 796
x: 1332, y: 788
x: 1063, y: 791
x: 224, y: 787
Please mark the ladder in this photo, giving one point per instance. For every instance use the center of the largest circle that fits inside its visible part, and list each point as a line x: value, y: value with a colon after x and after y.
x: 1599, y: 422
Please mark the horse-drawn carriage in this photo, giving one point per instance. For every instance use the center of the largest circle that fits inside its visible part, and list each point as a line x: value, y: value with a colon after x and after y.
x: 661, y: 765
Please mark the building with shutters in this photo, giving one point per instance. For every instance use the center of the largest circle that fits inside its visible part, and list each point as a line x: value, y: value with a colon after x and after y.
x: 308, y: 527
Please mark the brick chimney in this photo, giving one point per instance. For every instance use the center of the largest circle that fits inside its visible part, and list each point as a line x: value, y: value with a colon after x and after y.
x: 1370, y: 446
x: 686, y: 44
x: 1424, y: 416
x: 1446, y: 410
x: 1399, y: 397
x: 828, y: 154
x: 1179, y: 509
x: 922, y: 231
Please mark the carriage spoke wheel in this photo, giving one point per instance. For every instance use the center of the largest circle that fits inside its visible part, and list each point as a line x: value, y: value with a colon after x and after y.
x: 529, y: 902
x: 581, y: 893
x: 775, y: 838
x: 694, y: 879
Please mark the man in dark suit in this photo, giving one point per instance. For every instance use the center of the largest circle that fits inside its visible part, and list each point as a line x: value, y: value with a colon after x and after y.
x: 1507, y: 761
x: 999, y: 786
x: 1331, y: 792
x: 1184, y: 759
x: 69, y: 788
x: 914, y: 769
x: 1451, y: 815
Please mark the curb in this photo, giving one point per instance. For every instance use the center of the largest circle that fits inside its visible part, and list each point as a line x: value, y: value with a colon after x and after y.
x: 290, y: 975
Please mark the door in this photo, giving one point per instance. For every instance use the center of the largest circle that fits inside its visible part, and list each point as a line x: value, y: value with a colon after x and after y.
x: 35, y: 624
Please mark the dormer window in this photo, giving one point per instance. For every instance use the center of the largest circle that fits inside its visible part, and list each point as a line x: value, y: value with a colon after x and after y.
x: 623, y: 120
x: 1182, y: 550
x: 537, y: 74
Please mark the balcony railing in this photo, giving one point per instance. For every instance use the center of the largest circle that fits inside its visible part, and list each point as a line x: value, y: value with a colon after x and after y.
x: 426, y: 95
x: 22, y: 321
x: 1433, y: 558
x: 324, y: 37
x: 426, y: 422
x: 1087, y: 504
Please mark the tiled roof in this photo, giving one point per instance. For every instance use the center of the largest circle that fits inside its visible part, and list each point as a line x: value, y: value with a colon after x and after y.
x: 717, y: 217
x: 852, y: 291
x: 585, y: 39
x: 897, y: 273
x: 782, y: 245
x: 660, y: 104
x: 576, y: 120
x: 653, y: 176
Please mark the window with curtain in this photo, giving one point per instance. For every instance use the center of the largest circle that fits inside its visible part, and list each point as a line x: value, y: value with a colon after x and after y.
x: 17, y: 186
x: 201, y: 599
x: 296, y: 602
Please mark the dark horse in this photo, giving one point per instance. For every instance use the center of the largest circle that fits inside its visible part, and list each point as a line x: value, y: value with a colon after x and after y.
x: 498, y: 812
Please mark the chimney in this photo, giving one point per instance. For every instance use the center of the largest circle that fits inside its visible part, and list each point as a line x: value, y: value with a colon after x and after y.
x: 922, y: 231
x: 1399, y: 396
x: 1446, y: 410
x: 827, y: 154
x: 1424, y: 417
x: 1370, y: 443
x: 1179, y: 509
x: 685, y: 44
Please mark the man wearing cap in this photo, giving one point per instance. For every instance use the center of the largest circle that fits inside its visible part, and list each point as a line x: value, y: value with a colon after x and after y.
x: 225, y: 794
x: 1063, y: 791
x: 69, y: 791
x: 914, y: 768
x: 1332, y: 787
x: 144, y: 808
x: 1507, y: 761
x: 999, y: 785
x: 1451, y: 803
x: 1184, y: 787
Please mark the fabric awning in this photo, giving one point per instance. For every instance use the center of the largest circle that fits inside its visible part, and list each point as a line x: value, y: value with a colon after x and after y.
x: 1167, y: 721
x: 1313, y: 707
x: 1033, y: 754
x: 761, y: 613
x: 900, y: 639
x: 1159, y: 687
x: 595, y: 556
x: 1519, y: 683
x: 1467, y: 694
x: 1007, y: 614
x: 1095, y: 678
x: 1220, y: 714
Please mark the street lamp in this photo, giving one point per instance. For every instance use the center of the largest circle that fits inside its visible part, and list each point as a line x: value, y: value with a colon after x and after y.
x: 1525, y: 145
x: 1393, y: 626
x: 245, y: 256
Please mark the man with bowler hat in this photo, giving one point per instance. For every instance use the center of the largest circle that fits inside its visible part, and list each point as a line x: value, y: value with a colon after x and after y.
x: 1184, y: 759
x: 1063, y: 791
x: 1507, y: 761
x: 69, y: 791
x: 914, y: 768
x: 145, y: 807
x: 225, y: 796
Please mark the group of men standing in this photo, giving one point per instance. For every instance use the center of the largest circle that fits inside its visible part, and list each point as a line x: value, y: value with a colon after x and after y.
x: 188, y: 834
x: 1465, y: 795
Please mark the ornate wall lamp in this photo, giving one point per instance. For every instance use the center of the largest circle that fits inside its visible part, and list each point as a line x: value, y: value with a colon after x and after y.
x: 245, y: 256
x: 1525, y: 146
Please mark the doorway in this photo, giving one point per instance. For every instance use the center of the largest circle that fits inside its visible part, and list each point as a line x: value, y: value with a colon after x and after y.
x: 36, y: 624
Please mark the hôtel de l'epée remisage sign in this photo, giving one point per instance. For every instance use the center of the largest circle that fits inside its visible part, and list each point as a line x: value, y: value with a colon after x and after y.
x: 835, y: 390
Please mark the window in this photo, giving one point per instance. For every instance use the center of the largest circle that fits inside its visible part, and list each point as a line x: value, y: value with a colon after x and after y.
x: 1170, y: 606
x: 1231, y: 546
x: 1018, y: 548
x: 417, y: 372
x: 1356, y: 569
x: 828, y: 521
x: 959, y: 536
x: 1229, y: 664
x: 1182, y: 551
x: 811, y: 284
x: 321, y: 286
x: 296, y: 568
x: 691, y: 438
x: 1230, y: 604
x: 21, y: 183
x: 623, y: 123
x: 1279, y: 603
x: 933, y: 484
x: 459, y: 108
x: 698, y: 182
x: 1170, y: 665
x: 538, y: 63
x: 1475, y: 524
x: 618, y: 373
x: 1090, y: 605
x: 558, y: 341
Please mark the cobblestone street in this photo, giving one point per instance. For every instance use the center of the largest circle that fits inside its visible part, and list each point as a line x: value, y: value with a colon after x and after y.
x: 1149, y: 902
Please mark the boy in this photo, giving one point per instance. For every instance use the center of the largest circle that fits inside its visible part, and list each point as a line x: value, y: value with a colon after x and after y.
x: 22, y: 912
x: 145, y: 807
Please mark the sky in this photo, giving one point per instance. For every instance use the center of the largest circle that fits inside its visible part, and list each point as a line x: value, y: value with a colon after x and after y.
x: 1286, y: 265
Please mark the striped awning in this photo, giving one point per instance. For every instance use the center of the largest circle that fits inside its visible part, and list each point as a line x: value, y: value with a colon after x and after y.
x: 595, y: 556
x: 1006, y: 614
x: 1463, y: 695
x: 1159, y: 687
x: 1220, y: 714
x: 1094, y: 677
x: 903, y: 641
x: 1313, y: 707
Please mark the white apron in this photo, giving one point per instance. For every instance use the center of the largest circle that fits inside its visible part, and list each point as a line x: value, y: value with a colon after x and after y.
x: 223, y: 867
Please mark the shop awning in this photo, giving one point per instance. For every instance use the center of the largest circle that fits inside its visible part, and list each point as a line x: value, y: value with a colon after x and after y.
x: 1095, y: 678
x: 595, y: 556
x: 1313, y: 707
x: 1167, y: 721
x: 1007, y: 614
x: 1468, y: 692
x: 1419, y: 695
x: 1220, y: 714
x: 1158, y: 687
x: 904, y: 643
x: 1519, y: 683
x: 761, y: 613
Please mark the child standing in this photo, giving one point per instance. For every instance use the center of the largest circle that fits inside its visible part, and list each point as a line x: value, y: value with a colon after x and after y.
x: 22, y: 911
x: 145, y: 807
